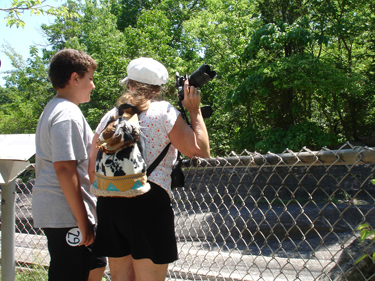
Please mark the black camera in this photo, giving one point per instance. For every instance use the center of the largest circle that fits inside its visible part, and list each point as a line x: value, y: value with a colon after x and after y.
x: 197, y: 79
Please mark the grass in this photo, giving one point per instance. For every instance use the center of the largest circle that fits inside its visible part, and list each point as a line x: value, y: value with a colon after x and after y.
x: 31, y: 273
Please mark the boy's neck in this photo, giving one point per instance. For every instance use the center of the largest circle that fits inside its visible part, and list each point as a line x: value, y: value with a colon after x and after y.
x: 67, y: 94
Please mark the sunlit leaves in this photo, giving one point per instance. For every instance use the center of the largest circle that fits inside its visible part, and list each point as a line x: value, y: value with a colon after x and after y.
x: 289, y: 73
x: 306, y: 65
x: 34, y: 7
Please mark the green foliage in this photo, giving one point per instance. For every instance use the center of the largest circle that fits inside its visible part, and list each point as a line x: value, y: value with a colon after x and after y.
x: 35, y: 7
x: 33, y: 272
x: 26, y: 94
x: 221, y: 33
x: 366, y: 232
x: 304, y: 134
x: 298, y: 69
x: 290, y: 74
x: 127, y: 12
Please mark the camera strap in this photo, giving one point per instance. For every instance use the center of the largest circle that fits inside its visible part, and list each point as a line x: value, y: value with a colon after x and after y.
x: 183, y: 113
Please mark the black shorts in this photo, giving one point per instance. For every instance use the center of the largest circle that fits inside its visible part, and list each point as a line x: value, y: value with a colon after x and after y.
x: 142, y: 227
x: 69, y: 262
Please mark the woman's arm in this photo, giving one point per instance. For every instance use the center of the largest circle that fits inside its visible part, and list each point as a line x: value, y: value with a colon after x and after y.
x: 191, y: 141
x: 94, y: 150
x: 92, y: 158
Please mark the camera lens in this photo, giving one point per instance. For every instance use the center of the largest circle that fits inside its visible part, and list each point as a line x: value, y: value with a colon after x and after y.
x: 201, y: 76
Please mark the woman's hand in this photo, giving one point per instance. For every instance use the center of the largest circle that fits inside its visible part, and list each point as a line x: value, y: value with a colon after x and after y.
x: 192, y: 98
x: 191, y: 141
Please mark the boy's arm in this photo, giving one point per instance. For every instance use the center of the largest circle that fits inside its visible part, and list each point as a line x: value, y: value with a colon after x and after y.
x: 67, y: 175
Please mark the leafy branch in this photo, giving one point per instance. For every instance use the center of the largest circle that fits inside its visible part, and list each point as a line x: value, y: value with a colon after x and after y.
x: 366, y: 232
x: 36, y: 7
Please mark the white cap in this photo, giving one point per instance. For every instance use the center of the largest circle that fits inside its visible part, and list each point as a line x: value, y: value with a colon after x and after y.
x: 146, y: 70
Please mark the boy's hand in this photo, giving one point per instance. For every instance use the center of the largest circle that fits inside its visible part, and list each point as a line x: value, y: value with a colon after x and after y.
x: 87, y: 232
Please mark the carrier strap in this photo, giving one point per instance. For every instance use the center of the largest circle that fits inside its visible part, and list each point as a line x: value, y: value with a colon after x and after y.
x: 156, y: 162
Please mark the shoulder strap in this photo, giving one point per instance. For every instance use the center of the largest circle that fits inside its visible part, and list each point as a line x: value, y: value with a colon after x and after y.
x: 156, y: 162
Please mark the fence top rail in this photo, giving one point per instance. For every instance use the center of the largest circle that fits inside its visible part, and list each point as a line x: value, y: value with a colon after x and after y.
x: 305, y: 157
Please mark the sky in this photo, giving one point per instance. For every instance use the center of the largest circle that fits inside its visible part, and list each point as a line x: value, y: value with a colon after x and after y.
x: 21, y: 38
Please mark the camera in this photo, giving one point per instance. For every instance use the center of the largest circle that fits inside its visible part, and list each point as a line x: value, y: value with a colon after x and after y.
x: 197, y: 79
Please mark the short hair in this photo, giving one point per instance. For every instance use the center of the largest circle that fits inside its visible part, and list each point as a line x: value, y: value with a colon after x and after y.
x: 67, y: 61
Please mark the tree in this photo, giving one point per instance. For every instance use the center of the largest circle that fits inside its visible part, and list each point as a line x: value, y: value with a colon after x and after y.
x: 220, y: 31
x: 348, y: 25
x: 128, y: 11
x: 301, y: 71
x: 35, y: 7
x: 26, y: 94
x: 290, y: 73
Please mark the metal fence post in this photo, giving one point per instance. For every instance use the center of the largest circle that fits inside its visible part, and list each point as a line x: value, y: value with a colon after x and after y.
x: 15, y: 150
x: 7, y: 231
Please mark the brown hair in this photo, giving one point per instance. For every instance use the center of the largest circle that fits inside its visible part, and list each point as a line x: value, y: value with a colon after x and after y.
x: 67, y: 61
x: 141, y: 95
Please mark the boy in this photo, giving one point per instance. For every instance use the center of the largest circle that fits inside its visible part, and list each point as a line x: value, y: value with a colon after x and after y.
x: 62, y: 203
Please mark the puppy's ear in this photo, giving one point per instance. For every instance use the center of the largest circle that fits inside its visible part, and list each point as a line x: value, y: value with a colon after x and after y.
x: 128, y: 108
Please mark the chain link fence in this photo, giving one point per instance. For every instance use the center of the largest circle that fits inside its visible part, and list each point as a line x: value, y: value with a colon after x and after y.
x: 288, y: 216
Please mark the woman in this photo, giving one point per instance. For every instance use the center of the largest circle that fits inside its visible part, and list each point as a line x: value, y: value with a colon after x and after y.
x: 137, y: 234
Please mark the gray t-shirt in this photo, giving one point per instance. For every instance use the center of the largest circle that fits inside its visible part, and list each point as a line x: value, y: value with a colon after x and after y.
x: 62, y: 134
